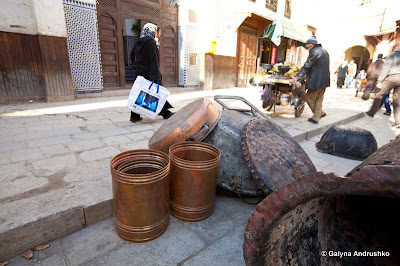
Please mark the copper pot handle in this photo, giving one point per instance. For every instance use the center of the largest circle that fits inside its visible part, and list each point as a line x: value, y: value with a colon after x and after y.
x: 201, y: 134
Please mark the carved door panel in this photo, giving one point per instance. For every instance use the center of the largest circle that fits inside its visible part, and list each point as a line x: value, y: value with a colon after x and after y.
x: 168, y: 57
x: 109, y: 50
x: 247, y: 54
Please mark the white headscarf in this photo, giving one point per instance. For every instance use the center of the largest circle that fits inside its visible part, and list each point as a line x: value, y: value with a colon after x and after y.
x: 149, y: 30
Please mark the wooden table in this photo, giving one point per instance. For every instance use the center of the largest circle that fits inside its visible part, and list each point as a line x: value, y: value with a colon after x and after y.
x: 284, y: 84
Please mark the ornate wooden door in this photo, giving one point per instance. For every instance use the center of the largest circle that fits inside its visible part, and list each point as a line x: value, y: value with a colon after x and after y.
x: 109, y: 50
x: 168, y: 56
x: 247, y: 59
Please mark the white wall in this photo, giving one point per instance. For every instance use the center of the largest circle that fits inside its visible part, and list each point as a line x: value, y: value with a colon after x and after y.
x: 45, y: 17
x: 50, y: 17
x: 18, y: 16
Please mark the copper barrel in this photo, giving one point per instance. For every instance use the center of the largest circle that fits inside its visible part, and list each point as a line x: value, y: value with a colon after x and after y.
x: 194, y: 171
x: 141, y: 185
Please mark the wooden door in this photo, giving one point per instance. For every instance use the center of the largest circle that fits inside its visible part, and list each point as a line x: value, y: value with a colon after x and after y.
x: 247, y: 59
x: 168, y: 62
x: 109, y: 50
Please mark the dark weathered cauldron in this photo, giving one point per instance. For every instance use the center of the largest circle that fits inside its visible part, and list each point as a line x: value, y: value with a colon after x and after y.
x: 348, y: 142
x: 323, y: 219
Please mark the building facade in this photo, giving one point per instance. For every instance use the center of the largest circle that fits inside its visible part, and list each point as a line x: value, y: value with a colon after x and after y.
x: 228, y: 49
x: 57, y: 50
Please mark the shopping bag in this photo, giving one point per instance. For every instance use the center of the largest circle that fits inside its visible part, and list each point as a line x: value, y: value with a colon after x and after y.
x: 147, y: 98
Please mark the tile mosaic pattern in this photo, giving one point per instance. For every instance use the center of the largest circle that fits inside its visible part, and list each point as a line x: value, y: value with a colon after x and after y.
x: 83, y: 46
x: 188, y: 47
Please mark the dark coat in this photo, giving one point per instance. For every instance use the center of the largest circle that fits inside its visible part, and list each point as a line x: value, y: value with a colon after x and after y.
x: 342, y: 72
x: 146, y: 63
x: 145, y: 59
x: 374, y: 70
x: 316, y: 68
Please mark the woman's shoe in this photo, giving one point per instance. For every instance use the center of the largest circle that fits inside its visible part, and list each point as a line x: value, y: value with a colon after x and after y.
x: 166, y: 116
x: 133, y: 120
x: 387, y: 113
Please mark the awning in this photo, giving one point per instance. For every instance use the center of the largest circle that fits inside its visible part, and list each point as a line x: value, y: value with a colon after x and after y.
x: 374, y: 39
x: 241, y: 16
x: 284, y: 28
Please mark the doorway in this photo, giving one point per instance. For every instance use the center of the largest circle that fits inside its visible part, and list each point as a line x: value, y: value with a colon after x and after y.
x: 247, y: 54
x: 131, y: 34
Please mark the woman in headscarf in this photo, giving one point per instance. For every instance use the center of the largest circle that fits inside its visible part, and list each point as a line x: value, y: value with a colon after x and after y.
x: 146, y: 61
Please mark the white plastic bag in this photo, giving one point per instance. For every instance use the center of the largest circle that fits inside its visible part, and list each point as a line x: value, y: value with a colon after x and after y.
x: 147, y: 98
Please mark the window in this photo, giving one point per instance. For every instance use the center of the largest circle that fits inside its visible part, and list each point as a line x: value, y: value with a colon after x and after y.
x: 192, y: 16
x: 364, y: 2
x: 271, y: 4
x: 288, y: 8
x: 192, y: 59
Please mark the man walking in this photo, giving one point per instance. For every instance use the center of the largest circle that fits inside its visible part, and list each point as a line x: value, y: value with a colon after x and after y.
x: 389, y: 79
x: 316, y: 71
x: 373, y: 72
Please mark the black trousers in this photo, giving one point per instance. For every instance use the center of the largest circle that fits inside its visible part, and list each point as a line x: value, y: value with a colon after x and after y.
x: 164, y: 111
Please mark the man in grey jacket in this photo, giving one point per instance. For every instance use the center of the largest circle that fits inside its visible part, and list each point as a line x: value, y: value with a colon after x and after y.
x: 389, y: 79
x: 316, y: 72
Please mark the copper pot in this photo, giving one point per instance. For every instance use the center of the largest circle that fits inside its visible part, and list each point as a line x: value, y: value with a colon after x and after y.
x: 192, y: 123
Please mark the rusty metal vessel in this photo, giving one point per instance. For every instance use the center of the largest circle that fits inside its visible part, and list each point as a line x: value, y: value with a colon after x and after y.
x: 273, y: 157
x: 139, y: 213
x: 323, y: 219
x: 194, y: 170
x: 191, y: 123
x: 348, y: 141
x: 226, y: 136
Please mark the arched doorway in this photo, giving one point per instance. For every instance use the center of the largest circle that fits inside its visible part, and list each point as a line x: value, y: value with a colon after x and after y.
x: 115, y: 44
x: 360, y: 55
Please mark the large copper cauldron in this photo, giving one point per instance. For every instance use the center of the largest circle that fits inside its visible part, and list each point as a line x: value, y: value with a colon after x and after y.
x: 192, y: 123
x: 141, y: 186
x: 324, y: 219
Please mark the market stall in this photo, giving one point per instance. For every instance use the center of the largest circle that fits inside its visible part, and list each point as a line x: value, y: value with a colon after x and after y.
x: 278, y: 88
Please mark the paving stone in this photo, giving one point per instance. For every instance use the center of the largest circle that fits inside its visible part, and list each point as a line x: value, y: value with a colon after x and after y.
x: 135, y: 136
x: 227, y: 251
x: 57, y: 164
x: 112, y: 131
x: 139, y: 127
x: 214, y: 227
x: 147, y: 134
x: 84, y: 145
x: 62, y: 130
x: 12, y: 147
x: 98, y: 240
x: 116, y: 140
x: 143, y: 144
x: 135, y: 253
x: 48, y: 141
x: 34, y: 129
x: 51, y: 150
x: 14, y: 170
x: 176, y: 244
x: 86, y: 135
x: 13, y: 131
x: 5, y: 158
x: 89, y: 170
x: 97, y: 154
x: 26, y: 155
x: 235, y: 208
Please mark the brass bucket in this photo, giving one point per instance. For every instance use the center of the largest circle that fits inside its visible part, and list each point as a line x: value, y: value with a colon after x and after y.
x: 194, y: 171
x: 141, y: 185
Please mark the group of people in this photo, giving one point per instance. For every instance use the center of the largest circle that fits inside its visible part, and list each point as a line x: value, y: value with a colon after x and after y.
x: 382, y: 75
x: 346, y: 71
